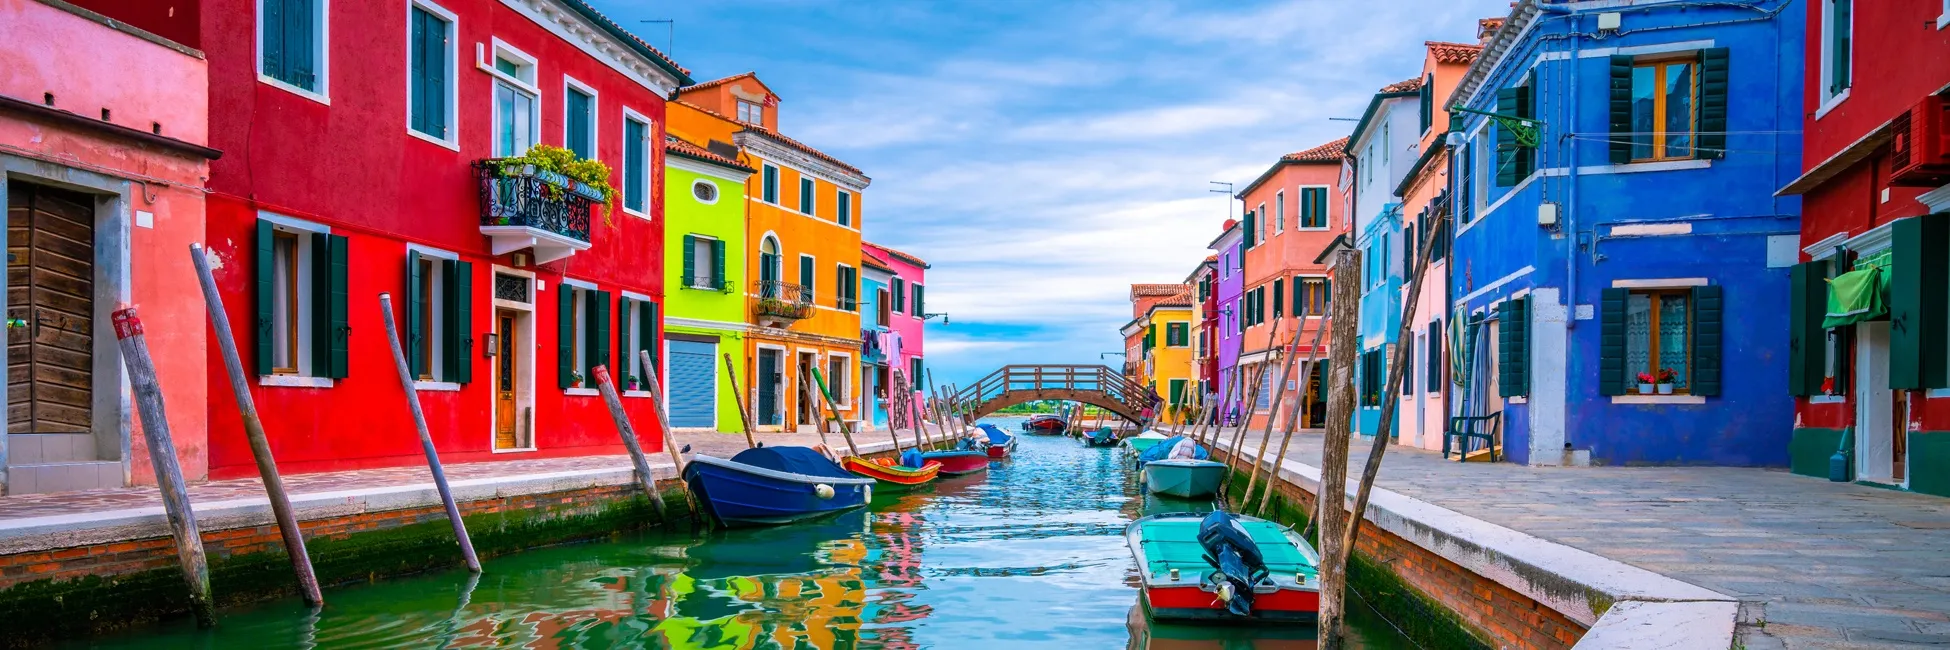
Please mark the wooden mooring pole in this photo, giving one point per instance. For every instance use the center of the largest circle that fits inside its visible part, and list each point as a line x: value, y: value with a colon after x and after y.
x: 644, y: 479
x: 426, y: 438
x: 1292, y: 419
x: 1273, y: 413
x: 738, y: 397
x: 940, y: 405
x: 846, y: 430
x: 1330, y: 502
x: 162, y: 454
x: 267, y: 466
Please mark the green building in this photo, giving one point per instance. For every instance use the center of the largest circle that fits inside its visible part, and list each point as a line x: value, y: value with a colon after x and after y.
x: 704, y: 305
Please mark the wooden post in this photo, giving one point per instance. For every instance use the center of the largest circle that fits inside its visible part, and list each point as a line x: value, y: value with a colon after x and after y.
x: 1293, y: 419
x: 644, y: 479
x: 1332, y: 498
x: 805, y: 397
x: 267, y: 466
x: 1245, y: 420
x: 826, y: 395
x: 1273, y: 413
x: 940, y: 418
x: 1218, y: 413
x: 162, y: 454
x: 426, y: 439
x: 907, y: 401
x: 738, y: 397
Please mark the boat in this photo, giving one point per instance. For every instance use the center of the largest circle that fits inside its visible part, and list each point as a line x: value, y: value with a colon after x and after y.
x: 1103, y: 437
x: 1223, y: 567
x: 959, y: 462
x: 1143, y: 441
x: 1045, y: 424
x: 910, y: 472
x: 767, y: 486
x: 1180, y: 467
x: 1001, y: 443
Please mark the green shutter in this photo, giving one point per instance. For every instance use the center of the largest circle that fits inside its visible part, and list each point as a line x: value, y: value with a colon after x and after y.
x: 273, y: 39
x: 1620, y: 144
x: 1407, y: 350
x: 1279, y: 297
x: 898, y: 296
x: 565, y: 335
x: 1428, y: 103
x: 647, y: 337
x: 1919, y: 286
x: 437, y: 75
x: 1611, y: 341
x: 839, y: 286
x: 1708, y: 307
x: 1807, y: 341
x: 598, y: 354
x: 718, y: 281
x: 636, y: 181
x: 1513, y: 348
x: 919, y: 311
x: 417, y: 71
x: 415, y: 330
x: 1508, y: 163
x: 770, y: 189
x: 1714, y: 79
x: 299, y: 48
x: 457, y: 309
x: 266, y: 260
x: 1838, y: 32
x: 1250, y: 228
x: 623, y: 348
x: 321, y: 312
x: 690, y: 261
x: 340, y: 323
x: 806, y: 278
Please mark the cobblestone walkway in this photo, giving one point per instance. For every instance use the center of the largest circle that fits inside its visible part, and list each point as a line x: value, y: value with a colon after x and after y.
x: 1836, y: 565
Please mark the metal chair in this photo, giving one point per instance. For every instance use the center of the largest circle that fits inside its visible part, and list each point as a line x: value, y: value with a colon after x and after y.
x: 1462, y: 429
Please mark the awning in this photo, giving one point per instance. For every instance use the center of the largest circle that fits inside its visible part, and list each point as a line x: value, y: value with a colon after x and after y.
x: 1858, y: 296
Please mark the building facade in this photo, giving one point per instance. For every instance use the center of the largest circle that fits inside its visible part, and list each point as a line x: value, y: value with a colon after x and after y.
x: 1630, y: 226
x: 1425, y: 204
x: 1229, y: 284
x: 877, y: 347
x: 104, y: 186
x: 1168, y: 355
x: 704, y: 320
x: 1382, y: 149
x: 1139, y: 335
x: 1291, y: 216
x: 1875, y: 195
x: 907, y: 319
x: 1205, y: 361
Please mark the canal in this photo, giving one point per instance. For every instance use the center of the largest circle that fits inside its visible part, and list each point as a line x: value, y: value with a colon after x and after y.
x: 1030, y: 556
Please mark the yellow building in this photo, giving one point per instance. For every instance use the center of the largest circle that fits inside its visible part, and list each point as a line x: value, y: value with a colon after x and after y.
x: 803, y: 224
x: 1168, y: 356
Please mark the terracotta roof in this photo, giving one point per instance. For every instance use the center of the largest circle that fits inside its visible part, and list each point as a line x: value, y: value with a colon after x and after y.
x: 589, y: 11
x: 1405, y: 86
x: 1155, y: 289
x: 869, y: 259
x: 1487, y: 26
x: 899, y: 255
x: 1330, y: 152
x: 680, y: 147
x: 720, y: 81
x: 1180, y: 299
x: 775, y: 134
x: 1453, y: 52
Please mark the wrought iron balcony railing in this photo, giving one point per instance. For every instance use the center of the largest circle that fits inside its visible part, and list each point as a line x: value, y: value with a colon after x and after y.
x: 524, y: 197
x: 783, y: 300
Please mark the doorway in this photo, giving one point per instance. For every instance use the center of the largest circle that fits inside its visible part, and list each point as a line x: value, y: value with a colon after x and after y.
x: 769, y: 383
x: 512, y: 428
x: 808, y: 411
x: 1880, y: 431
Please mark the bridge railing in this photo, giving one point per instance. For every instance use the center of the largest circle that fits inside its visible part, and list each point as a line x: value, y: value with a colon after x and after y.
x: 1042, y: 377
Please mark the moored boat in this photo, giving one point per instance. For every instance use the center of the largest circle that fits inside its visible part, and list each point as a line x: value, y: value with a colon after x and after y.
x: 1001, y: 443
x: 1046, y: 424
x: 1180, y: 467
x: 1225, y: 568
x: 890, y: 475
x: 773, y: 485
x: 1144, y: 441
x: 959, y: 462
x: 1103, y: 437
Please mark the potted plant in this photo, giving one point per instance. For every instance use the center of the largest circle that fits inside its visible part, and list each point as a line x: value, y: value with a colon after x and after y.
x: 1666, y: 377
x: 575, y: 379
x: 1646, y: 382
x: 632, y: 380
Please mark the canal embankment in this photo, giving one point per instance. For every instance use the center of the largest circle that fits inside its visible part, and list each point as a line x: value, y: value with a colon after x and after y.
x: 92, y: 561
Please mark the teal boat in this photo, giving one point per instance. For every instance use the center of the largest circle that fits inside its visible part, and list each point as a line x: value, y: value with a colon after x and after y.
x: 1224, y: 568
x: 1140, y: 442
x: 1187, y: 478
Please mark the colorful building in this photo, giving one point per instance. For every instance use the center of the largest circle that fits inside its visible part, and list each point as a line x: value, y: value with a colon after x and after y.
x: 705, y: 304
x: 1425, y: 203
x: 803, y: 222
x: 876, y: 342
x: 1874, y: 185
x: 1205, y: 329
x: 1290, y: 219
x: 1229, y: 282
x: 103, y: 179
x: 1139, y: 335
x: 1631, y: 227
x: 1168, y: 355
x: 907, y: 317
x: 1381, y: 151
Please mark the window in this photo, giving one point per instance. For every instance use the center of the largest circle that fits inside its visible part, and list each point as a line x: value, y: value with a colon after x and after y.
x: 636, y: 165
x: 1279, y: 211
x: 300, y: 278
x: 770, y: 189
x: 771, y: 268
x: 899, y: 296
x: 425, y: 290
x: 1311, y: 295
x: 1313, y: 208
x: 291, y: 45
x: 1179, y: 396
x: 1428, y: 102
x: 704, y: 191
x: 1178, y: 334
x: 914, y: 373
x: 1837, y: 47
x: 1261, y: 211
x: 920, y: 302
x: 1279, y: 297
x: 1436, y: 361
x: 517, y: 120
x: 807, y: 277
x: 751, y: 112
x: 703, y: 263
x: 1466, y: 182
x: 806, y: 195
x: 1516, y: 153
x: 582, y: 334
x: 846, y: 287
x: 1408, y: 366
x: 430, y: 82
x: 838, y: 373
x: 439, y: 309
x: 843, y: 200
x: 579, y: 119
x: 1657, y: 334
x: 1664, y: 95
x: 636, y: 332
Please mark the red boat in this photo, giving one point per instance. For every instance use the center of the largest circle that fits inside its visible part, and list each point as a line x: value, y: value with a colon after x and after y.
x: 1175, y: 561
x: 959, y: 462
x: 1000, y: 442
x: 1048, y: 425
x: 889, y: 475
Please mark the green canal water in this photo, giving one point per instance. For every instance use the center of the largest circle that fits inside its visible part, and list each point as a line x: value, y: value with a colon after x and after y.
x: 1029, y: 556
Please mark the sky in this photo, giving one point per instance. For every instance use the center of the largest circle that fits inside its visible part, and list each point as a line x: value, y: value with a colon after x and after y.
x: 1043, y: 156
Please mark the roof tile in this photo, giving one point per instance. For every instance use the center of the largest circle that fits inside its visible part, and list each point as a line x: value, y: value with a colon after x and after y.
x: 1453, y: 52
x: 680, y: 147
x: 1404, y: 86
x: 1330, y: 152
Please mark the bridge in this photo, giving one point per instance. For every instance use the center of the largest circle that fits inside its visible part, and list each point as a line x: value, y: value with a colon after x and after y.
x: 1096, y: 385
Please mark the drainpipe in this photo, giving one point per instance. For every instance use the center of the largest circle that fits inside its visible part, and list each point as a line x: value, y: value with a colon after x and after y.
x: 1571, y: 174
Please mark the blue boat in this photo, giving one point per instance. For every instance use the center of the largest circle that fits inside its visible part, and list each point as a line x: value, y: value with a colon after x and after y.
x: 774, y: 485
x: 1001, y: 443
x: 1180, y: 467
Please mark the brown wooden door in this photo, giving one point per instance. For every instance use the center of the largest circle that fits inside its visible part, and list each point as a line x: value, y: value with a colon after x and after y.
x: 51, y: 306
x: 504, y: 381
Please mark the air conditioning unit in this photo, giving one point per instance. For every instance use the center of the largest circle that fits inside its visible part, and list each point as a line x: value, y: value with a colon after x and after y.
x: 1919, y: 151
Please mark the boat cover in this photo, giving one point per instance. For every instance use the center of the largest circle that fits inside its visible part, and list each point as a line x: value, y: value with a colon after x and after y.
x: 792, y: 460
x: 1165, y: 450
x: 996, y: 436
x: 911, y: 459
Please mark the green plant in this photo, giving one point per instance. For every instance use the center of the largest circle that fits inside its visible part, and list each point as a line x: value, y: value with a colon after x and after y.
x: 562, y: 161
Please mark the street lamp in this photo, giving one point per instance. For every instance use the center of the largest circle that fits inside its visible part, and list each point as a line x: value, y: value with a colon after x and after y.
x: 943, y: 315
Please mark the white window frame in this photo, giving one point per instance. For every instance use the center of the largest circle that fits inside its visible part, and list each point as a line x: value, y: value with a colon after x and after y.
x: 579, y: 358
x: 716, y: 191
x: 753, y: 115
x: 778, y: 175
x: 846, y: 218
x: 1300, y: 208
x: 303, y: 266
x: 1261, y: 226
x: 806, y: 284
x: 855, y: 286
x: 436, y: 320
x: 1943, y: 20
x: 639, y: 311
x: 649, y: 160
x: 808, y: 195
x: 1279, y: 212
x: 595, y: 115
x: 323, y: 56
x: 452, y: 141
x: 1830, y: 100
x: 484, y: 58
x: 912, y: 311
x: 846, y: 395
x: 1324, y: 284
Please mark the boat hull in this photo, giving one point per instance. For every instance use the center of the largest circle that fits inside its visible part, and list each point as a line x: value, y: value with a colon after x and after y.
x: 739, y: 495
x: 1002, y: 451
x: 1176, y: 578
x: 1191, y: 603
x: 1100, y: 438
x: 1184, y: 478
x: 890, y: 478
x: 959, y: 463
x: 1139, y: 443
x: 1047, y: 425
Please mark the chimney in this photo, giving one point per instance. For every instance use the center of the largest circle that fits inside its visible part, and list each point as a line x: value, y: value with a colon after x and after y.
x: 1486, y: 29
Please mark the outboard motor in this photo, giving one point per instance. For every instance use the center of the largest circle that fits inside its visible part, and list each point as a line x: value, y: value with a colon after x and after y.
x: 1230, y: 550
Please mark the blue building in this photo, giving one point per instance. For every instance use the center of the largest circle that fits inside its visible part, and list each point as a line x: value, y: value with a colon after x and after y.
x: 875, y: 304
x: 1383, y: 147
x: 1637, y: 231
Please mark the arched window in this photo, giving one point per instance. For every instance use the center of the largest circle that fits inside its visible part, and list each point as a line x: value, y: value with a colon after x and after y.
x: 769, y: 267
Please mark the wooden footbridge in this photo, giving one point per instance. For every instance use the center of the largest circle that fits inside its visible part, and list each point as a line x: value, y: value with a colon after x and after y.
x: 1096, y: 385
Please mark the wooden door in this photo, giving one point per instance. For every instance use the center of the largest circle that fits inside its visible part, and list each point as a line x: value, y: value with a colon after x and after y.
x: 50, y: 296
x: 768, y: 381
x: 505, y: 424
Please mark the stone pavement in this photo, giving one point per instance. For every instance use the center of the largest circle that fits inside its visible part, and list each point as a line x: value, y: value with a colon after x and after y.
x: 1834, y: 565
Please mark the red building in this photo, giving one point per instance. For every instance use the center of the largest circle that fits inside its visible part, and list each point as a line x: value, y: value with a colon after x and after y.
x: 357, y: 130
x: 1205, y: 317
x: 1875, y: 199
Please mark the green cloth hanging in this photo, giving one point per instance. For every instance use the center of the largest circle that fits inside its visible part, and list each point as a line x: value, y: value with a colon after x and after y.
x: 1858, y: 296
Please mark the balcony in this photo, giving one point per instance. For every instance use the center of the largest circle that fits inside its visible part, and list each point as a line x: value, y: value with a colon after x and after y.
x: 780, y: 304
x: 529, y: 208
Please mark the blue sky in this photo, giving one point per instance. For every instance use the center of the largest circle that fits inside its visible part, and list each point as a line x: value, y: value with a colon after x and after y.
x: 1045, y: 155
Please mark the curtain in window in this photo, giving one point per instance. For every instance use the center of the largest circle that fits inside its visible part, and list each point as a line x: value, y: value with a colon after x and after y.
x: 1638, y: 336
x: 283, y: 329
x: 1672, y: 336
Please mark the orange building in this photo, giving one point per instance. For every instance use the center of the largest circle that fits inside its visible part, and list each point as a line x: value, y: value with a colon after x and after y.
x: 803, y: 224
x: 1291, y: 216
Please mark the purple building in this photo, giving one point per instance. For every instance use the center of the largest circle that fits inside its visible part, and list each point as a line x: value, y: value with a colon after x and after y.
x: 1229, y: 284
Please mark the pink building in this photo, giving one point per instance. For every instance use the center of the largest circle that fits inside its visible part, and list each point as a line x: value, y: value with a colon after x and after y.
x: 907, y: 311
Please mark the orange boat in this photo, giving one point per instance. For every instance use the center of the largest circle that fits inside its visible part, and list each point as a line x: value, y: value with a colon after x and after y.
x: 889, y: 475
